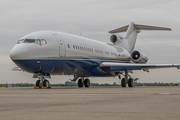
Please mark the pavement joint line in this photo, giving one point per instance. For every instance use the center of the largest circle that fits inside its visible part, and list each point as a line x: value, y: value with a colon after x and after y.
x: 93, y: 93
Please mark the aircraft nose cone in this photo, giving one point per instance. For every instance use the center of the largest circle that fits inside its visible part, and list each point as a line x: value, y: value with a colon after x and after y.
x: 19, y: 51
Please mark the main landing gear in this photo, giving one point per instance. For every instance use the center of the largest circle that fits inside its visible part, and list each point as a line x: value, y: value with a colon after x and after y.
x: 126, y: 81
x: 42, y: 83
x: 85, y: 82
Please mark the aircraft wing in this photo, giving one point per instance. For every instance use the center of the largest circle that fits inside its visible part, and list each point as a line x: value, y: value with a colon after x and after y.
x: 131, y: 66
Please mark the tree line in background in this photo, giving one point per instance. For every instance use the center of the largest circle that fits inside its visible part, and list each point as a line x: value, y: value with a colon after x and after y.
x: 69, y: 83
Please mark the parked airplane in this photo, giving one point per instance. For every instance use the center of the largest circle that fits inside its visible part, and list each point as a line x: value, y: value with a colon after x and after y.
x: 46, y: 53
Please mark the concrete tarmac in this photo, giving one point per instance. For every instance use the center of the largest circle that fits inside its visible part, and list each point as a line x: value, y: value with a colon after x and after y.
x: 94, y: 103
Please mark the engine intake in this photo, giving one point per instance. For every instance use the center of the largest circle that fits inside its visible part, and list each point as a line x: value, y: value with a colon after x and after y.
x: 138, y: 57
x: 115, y: 38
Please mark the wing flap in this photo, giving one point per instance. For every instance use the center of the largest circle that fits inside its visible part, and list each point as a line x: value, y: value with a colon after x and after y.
x: 130, y: 66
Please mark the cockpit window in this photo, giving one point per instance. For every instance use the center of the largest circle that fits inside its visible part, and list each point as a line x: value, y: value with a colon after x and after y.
x: 38, y: 42
x: 43, y: 42
x: 20, y: 41
x: 29, y: 41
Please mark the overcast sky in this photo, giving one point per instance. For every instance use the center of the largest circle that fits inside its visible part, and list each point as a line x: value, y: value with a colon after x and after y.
x: 93, y: 19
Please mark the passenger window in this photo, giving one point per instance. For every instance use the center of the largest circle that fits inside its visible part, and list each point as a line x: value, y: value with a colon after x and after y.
x: 68, y: 46
x: 38, y: 42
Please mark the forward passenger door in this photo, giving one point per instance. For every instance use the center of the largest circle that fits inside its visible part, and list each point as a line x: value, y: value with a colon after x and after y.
x: 62, y: 48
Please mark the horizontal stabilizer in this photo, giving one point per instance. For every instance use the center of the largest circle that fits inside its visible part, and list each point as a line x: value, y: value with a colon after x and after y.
x: 138, y: 27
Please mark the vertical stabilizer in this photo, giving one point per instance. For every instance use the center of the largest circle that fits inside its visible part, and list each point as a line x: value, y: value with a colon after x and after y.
x: 131, y: 36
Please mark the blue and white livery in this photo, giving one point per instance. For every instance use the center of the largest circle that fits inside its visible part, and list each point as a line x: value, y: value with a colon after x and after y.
x: 47, y: 53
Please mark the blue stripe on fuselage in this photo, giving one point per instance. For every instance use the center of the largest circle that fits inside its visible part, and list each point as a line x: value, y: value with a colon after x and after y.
x: 67, y: 65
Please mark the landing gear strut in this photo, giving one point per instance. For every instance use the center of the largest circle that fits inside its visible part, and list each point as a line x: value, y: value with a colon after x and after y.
x: 82, y: 82
x: 42, y: 83
x: 126, y: 81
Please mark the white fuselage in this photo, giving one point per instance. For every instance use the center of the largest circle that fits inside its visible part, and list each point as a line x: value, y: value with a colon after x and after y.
x: 65, y: 48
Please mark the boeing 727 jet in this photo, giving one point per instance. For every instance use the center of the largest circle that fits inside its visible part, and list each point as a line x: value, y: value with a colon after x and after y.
x: 47, y: 53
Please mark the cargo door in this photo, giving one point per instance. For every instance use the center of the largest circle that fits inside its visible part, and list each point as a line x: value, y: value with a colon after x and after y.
x: 62, y: 48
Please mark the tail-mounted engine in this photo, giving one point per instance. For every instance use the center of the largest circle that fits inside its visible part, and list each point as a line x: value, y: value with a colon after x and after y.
x: 138, y: 57
x: 115, y: 38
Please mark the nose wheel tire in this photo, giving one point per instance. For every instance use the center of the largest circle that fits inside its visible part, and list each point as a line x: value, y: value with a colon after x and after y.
x: 37, y: 83
x: 123, y: 82
x: 87, y: 82
x: 46, y: 83
x: 80, y: 83
x: 40, y: 83
x: 130, y: 82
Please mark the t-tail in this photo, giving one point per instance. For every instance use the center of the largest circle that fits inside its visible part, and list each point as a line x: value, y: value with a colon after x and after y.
x: 130, y: 37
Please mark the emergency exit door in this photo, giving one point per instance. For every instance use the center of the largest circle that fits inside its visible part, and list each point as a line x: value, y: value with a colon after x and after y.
x: 62, y: 48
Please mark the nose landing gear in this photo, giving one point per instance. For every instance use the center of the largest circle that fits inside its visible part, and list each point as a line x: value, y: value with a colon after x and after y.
x: 42, y: 83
